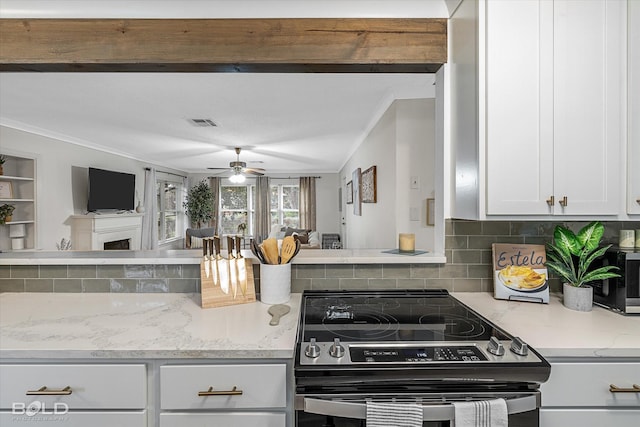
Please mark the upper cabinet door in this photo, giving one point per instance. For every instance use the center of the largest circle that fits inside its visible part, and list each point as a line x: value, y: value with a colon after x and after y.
x: 633, y: 174
x: 589, y: 83
x: 519, y: 114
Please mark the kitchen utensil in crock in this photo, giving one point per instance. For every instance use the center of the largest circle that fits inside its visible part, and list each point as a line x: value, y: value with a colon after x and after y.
x: 287, y: 250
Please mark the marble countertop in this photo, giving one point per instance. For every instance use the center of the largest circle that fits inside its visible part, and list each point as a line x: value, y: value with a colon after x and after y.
x: 194, y: 256
x: 140, y: 326
x: 556, y: 331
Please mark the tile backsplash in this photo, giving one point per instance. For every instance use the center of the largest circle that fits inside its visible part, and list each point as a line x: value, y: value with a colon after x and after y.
x: 468, y: 267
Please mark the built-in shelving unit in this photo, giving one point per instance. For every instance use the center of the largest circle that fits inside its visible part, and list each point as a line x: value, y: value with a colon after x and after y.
x: 19, y: 183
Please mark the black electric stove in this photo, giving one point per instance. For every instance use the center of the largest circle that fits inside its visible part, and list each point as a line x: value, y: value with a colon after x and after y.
x: 424, y: 332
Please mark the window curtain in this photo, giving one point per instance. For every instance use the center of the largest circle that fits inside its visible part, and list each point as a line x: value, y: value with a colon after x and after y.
x: 150, y: 218
x: 214, y: 184
x: 262, y: 225
x: 308, y: 203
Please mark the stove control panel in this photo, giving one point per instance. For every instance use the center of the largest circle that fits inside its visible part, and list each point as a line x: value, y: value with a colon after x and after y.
x: 417, y: 354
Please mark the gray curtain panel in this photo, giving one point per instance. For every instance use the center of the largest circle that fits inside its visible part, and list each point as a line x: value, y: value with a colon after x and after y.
x: 262, y: 224
x: 149, y: 220
x: 308, y: 202
x: 214, y: 184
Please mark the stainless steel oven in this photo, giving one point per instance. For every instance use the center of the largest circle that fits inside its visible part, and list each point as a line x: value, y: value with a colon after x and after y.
x: 421, y: 347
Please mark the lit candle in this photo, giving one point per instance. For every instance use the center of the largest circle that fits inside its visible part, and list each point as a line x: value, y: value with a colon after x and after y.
x: 407, y: 242
x: 627, y: 238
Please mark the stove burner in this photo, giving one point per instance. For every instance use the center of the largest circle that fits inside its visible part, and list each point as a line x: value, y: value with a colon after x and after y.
x: 456, y: 326
x: 368, y: 325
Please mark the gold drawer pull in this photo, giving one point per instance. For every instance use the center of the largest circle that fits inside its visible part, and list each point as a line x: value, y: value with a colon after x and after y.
x: 615, y: 389
x: 564, y: 202
x: 233, y: 392
x: 551, y: 200
x: 44, y: 391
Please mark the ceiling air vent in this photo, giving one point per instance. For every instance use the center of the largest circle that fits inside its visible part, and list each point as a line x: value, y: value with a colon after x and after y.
x: 204, y: 123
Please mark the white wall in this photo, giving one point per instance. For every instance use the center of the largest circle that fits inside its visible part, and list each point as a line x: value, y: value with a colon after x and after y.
x: 61, y: 175
x: 401, y: 145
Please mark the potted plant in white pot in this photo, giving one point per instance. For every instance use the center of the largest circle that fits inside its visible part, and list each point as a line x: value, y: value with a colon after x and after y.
x: 571, y: 257
x: 199, y: 203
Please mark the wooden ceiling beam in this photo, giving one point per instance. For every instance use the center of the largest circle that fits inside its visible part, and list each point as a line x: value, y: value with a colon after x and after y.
x: 223, y: 45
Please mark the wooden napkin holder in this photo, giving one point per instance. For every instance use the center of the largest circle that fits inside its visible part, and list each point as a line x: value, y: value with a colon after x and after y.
x: 212, y: 295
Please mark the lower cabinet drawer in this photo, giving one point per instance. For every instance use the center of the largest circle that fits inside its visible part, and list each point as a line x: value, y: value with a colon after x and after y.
x: 583, y: 417
x: 89, y: 386
x: 49, y: 417
x: 254, y: 419
x: 587, y: 385
x: 223, y: 386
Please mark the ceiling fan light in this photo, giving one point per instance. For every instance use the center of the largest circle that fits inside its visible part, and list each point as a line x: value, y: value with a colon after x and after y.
x: 237, y: 178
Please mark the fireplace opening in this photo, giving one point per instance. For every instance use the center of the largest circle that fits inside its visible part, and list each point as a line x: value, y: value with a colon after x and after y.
x: 117, y: 245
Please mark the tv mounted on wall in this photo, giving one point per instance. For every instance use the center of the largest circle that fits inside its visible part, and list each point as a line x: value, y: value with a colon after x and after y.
x: 110, y: 190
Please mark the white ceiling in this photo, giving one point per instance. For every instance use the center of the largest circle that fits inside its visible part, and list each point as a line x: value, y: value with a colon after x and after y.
x: 289, y: 122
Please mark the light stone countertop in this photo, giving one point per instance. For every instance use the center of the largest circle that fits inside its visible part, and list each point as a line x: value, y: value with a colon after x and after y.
x: 140, y: 326
x: 555, y: 331
x: 194, y: 256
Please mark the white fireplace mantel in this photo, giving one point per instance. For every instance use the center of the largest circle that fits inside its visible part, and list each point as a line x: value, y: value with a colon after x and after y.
x: 90, y: 232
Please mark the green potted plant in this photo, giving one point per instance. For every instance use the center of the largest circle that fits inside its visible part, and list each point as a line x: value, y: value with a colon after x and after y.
x: 199, y: 203
x: 571, y: 257
x: 6, y: 211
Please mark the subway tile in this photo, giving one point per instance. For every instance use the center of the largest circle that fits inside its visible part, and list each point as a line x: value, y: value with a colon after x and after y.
x: 496, y: 228
x: 24, y: 272
x: 5, y: 271
x: 38, y: 285
x: 451, y: 271
x: 110, y: 271
x: 53, y: 271
x: 479, y: 271
x: 354, y: 284
x: 484, y: 242
x: 168, y: 271
x: 468, y: 228
x: 299, y: 285
x: 325, y: 284
x: 123, y: 285
x: 411, y: 283
x: 486, y: 256
x: 96, y: 285
x: 395, y: 271
x: 424, y: 271
x: 439, y: 284
x: 152, y: 286
x: 310, y: 271
x: 367, y: 271
x: 67, y: 285
x: 466, y: 256
x: 12, y: 285
x: 182, y: 285
x: 82, y: 271
x: 381, y: 284
x: 190, y: 271
x: 138, y: 271
x: 537, y: 240
x: 456, y: 242
x: 339, y: 271
x: 467, y: 285
x: 448, y: 227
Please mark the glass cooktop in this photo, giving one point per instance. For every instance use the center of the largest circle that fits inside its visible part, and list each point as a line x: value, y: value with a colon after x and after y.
x: 397, y: 316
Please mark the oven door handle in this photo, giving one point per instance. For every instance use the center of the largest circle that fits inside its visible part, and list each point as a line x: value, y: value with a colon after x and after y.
x: 352, y: 410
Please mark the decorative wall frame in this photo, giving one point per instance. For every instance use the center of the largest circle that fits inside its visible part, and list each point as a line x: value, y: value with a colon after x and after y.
x: 357, y: 192
x: 6, y: 190
x: 349, y: 194
x: 369, y: 185
x: 431, y: 213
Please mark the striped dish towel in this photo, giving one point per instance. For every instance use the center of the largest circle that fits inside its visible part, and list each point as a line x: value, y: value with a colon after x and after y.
x: 481, y: 413
x: 394, y: 415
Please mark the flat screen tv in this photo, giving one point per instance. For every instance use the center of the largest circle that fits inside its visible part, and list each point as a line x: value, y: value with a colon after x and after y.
x: 110, y: 190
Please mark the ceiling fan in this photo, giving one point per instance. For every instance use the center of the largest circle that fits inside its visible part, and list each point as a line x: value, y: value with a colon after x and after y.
x: 239, y: 168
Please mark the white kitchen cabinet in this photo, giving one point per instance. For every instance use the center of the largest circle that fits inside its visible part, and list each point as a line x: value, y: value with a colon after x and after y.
x: 577, y: 394
x: 633, y: 58
x: 19, y: 189
x: 544, y: 94
x: 229, y: 394
x: 41, y: 394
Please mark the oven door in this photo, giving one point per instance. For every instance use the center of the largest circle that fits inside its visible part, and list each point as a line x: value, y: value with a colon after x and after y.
x: 349, y: 410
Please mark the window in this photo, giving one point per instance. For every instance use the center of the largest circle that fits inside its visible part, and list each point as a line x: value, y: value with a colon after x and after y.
x: 285, y: 201
x: 169, y: 217
x: 237, y: 206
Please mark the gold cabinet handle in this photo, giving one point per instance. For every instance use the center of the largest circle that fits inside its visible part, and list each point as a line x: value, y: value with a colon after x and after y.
x: 233, y: 392
x: 44, y: 391
x: 615, y: 389
x: 564, y: 202
x: 551, y: 201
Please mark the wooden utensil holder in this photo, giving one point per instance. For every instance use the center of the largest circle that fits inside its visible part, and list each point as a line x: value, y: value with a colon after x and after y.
x: 212, y: 295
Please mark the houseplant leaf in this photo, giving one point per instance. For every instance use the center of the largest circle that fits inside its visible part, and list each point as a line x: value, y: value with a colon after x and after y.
x: 590, y: 235
x: 562, y: 270
x: 600, y: 274
x: 566, y: 240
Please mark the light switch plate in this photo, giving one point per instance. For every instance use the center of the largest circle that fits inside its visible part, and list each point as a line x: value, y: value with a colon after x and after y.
x: 415, y: 182
x: 413, y: 214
